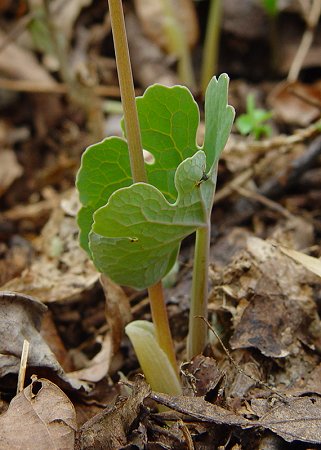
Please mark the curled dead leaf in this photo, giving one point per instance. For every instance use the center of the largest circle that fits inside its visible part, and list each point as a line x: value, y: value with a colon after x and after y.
x: 153, y: 19
x: 20, y: 318
x: 40, y: 417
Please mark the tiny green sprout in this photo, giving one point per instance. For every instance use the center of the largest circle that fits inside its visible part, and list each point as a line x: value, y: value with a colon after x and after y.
x: 253, y: 121
x: 271, y: 7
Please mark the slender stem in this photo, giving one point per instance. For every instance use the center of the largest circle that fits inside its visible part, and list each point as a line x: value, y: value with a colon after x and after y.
x: 160, y: 320
x: 197, y: 337
x: 156, y: 296
x: 211, y: 44
x: 127, y: 91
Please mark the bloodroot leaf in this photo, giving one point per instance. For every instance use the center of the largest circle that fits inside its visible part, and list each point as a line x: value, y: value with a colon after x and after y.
x: 136, y: 236
x: 133, y: 234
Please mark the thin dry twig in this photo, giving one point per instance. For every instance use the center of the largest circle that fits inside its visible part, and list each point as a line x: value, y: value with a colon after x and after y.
x: 187, y: 435
x: 23, y: 366
x: 264, y: 201
x: 311, y: 17
x: 53, y: 88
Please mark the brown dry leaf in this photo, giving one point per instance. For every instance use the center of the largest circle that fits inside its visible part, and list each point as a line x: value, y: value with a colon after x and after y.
x: 40, y: 417
x: 19, y: 63
x: 200, y: 409
x: 66, y: 14
x: 152, y: 17
x: 98, y: 367
x: 109, y: 429
x: 282, y: 310
x: 150, y: 64
x: 20, y: 318
x: 118, y: 312
x: 296, y: 103
x: 270, y: 297
x: 267, y: 323
x: 201, y: 374
x: 62, y: 271
x: 309, y: 262
x: 295, y: 419
x: 10, y: 169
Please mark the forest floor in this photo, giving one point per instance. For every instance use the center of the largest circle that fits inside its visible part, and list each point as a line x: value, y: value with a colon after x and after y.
x: 258, y: 383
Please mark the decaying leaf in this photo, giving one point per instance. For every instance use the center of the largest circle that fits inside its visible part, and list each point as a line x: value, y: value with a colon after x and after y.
x: 40, y: 417
x: 20, y: 318
x: 153, y: 17
x: 201, y: 374
x: 309, y: 262
x: 296, y: 103
x: 97, y: 367
x: 109, y: 429
x: 270, y: 300
x: 118, y: 313
x: 62, y: 271
x: 19, y: 63
x: 294, y: 419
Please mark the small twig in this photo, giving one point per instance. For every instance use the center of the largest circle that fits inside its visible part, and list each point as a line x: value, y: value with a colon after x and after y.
x: 236, y: 365
x: 187, y: 435
x: 23, y: 366
x: 312, y: 18
x: 16, y: 30
x: 264, y: 201
x: 53, y: 88
x: 233, y: 185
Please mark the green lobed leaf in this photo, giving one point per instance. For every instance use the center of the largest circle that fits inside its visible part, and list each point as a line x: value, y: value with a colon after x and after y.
x: 136, y: 235
x: 168, y: 118
x: 104, y: 169
x: 219, y: 118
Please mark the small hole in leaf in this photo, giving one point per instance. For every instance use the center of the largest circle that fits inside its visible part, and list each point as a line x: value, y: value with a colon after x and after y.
x: 148, y: 157
x: 36, y: 386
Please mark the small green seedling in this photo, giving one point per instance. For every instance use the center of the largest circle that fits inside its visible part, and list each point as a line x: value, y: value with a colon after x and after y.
x: 132, y: 229
x: 271, y: 7
x: 253, y: 122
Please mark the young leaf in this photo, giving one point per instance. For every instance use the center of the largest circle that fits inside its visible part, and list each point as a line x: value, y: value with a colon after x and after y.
x: 168, y: 118
x: 156, y: 366
x: 104, y: 169
x: 135, y: 237
x: 219, y: 116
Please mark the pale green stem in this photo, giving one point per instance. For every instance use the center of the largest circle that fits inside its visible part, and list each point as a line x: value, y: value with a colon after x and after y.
x: 155, y: 293
x: 197, y: 336
x: 127, y: 91
x: 211, y: 44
